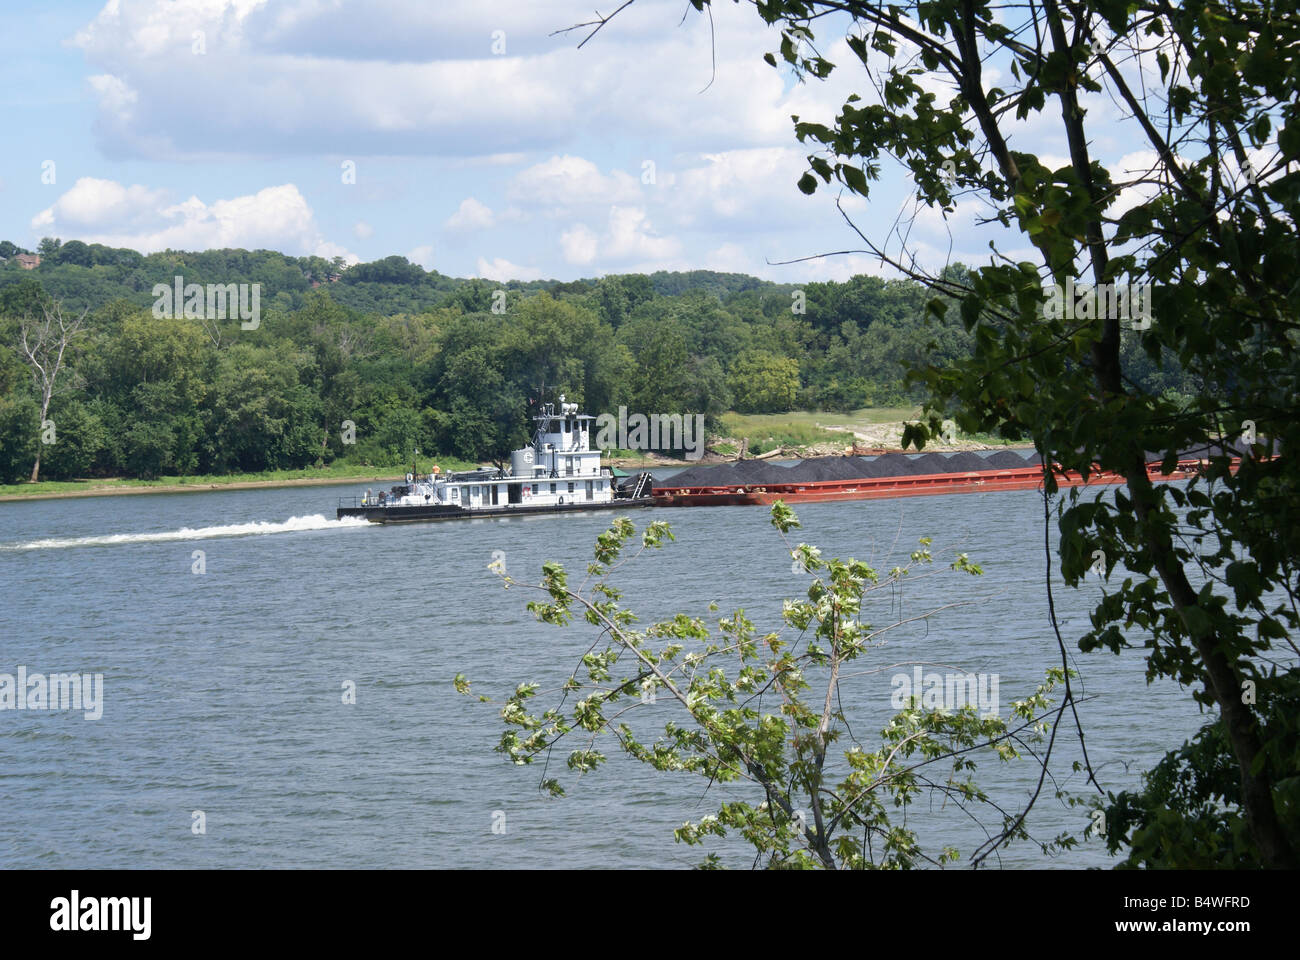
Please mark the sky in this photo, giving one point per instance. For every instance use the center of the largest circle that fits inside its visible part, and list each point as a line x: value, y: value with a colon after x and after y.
x: 464, y: 135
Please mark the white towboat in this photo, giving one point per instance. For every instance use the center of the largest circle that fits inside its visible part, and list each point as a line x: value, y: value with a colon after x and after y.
x: 558, y: 472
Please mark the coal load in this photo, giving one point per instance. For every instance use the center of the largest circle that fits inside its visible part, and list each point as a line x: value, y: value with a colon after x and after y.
x: 700, y: 477
x: 966, y: 463
x: 742, y: 473
x: 759, y: 473
x: 930, y: 463
x: 1007, y: 460
x: 886, y: 465
x: 822, y: 469
x: 751, y: 472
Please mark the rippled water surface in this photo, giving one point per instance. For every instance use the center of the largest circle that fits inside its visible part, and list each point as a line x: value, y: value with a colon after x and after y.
x: 223, y: 691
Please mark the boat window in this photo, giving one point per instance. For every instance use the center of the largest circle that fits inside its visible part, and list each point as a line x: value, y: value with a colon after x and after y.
x: 552, y: 488
x: 571, y: 488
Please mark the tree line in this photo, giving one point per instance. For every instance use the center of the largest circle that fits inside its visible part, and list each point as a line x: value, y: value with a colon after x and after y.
x: 370, y: 363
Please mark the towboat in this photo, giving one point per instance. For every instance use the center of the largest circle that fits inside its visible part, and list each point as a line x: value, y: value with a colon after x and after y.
x: 558, y: 472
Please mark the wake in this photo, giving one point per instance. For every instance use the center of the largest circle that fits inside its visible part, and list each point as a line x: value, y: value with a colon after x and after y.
x: 314, y: 521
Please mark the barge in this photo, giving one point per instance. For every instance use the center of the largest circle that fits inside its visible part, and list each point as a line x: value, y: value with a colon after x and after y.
x: 557, y: 473
x: 749, y: 483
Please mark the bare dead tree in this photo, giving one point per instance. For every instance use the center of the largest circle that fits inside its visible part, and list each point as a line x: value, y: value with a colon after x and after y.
x: 44, y: 343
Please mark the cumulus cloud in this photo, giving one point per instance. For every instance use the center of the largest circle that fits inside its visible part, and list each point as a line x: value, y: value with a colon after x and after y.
x: 104, y: 211
x: 501, y: 269
x: 394, y: 78
x: 471, y: 215
x: 580, y: 244
x: 94, y: 204
x: 745, y: 188
x: 564, y: 183
x: 632, y: 236
x: 423, y: 255
x: 628, y: 237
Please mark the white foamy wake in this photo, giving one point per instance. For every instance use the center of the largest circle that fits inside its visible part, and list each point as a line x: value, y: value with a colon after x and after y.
x: 294, y: 524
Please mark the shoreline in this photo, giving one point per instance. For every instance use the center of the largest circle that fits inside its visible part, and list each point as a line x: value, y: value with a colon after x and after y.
x: 623, y: 463
x: 198, y: 487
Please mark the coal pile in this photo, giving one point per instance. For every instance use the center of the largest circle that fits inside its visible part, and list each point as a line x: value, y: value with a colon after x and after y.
x: 1007, y: 460
x: 760, y: 473
x: 701, y: 476
x: 888, y: 465
x: 741, y: 473
x: 930, y: 463
x: 966, y: 462
x: 824, y: 468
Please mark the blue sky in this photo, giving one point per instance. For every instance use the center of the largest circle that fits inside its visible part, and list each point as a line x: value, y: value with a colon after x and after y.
x: 194, y: 124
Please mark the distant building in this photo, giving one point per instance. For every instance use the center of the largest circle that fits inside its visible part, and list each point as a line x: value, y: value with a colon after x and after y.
x: 28, y: 261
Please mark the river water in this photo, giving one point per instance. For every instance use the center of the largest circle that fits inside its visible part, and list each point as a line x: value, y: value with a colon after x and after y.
x: 224, y: 691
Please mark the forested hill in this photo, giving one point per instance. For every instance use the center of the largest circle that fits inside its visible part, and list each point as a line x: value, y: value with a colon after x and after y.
x: 415, y: 359
x: 81, y: 275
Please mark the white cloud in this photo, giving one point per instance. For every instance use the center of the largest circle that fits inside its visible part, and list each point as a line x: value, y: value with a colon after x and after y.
x: 331, y: 250
x: 632, y: 236
x: 390, y: 78
x: 423, y: 255
x: 104, y: 211
x: 579, y: 244
x: 363, y: 230
x: 628, y: 237
x: 471, y: 215
x: 564, y: 183
x: 93, y: 204
x: 501, y: 269
x: 754, y: 188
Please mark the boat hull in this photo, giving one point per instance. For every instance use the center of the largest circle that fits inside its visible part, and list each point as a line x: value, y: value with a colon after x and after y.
x: 888, y: 487
x: 427, y: 513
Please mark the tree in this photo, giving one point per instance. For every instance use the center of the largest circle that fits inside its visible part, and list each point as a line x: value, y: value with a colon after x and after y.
x: 1209, y: 91
x: 74, y: 252
x: 48, y: 246
x: 763, y: 711
x: 764, y: 382
x: 44, y: 343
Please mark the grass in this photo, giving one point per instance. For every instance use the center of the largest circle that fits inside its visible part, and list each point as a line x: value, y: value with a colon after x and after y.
x: 803, y: 428
x: 335, y: 471
x: 810, y: 422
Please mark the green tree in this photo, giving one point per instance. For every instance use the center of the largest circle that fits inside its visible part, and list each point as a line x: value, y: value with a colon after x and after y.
x: 19, y: 441
x: 763, y: 712
x: 1211, y: 568
x: 763, y: 382
x: 81, y: 441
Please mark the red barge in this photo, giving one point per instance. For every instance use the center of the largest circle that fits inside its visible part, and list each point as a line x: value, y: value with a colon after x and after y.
x: 763, y: 490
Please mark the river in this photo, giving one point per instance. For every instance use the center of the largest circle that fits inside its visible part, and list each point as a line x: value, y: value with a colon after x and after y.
x: 224, y: 690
